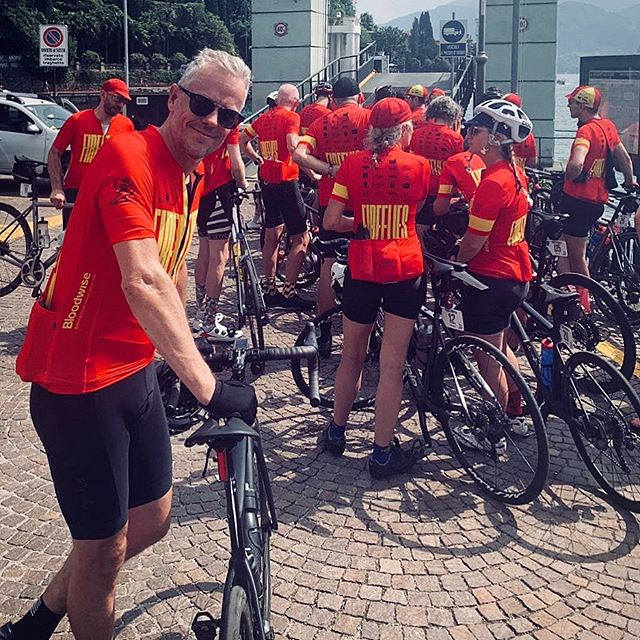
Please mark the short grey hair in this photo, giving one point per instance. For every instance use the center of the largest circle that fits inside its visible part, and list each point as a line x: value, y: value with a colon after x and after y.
x: 380, y: 140
x: 233, y: 65
x: 444, y: 108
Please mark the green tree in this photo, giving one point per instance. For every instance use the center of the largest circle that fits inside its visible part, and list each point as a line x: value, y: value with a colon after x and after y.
x: 347, y: 7
x: 394, y: 42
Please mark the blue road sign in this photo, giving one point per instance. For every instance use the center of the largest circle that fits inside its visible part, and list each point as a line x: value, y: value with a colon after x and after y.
x: 453, y: 31
x: 458, y: 50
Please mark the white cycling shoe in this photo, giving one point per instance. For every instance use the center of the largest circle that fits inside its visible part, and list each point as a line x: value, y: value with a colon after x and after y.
x: 217, y: 331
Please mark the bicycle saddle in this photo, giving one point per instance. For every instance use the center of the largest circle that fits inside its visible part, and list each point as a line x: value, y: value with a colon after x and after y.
x: 217, y: 436
x: 549, y: 217
x: 551, y: 294
x: 29, y: 161
x: 442, y: 265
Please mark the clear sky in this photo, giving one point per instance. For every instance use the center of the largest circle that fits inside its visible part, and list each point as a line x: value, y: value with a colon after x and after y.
x: 385, y: 10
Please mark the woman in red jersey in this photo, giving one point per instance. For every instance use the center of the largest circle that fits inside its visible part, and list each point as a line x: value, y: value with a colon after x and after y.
x: 384, y: 187
x: 493, y: 245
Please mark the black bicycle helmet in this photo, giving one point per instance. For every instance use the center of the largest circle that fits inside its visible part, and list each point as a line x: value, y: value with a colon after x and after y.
x: 323, y: 89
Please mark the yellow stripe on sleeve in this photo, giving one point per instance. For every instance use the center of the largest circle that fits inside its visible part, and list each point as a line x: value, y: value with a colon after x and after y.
x: 340, y: 191
x: 309, y: 140
x: 481, y: 225
x: 445, y: 189
x: 581, y: 142
x: 250, y: 131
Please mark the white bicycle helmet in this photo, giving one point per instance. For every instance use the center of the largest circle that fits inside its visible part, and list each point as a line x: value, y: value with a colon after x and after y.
x: 500, y: 116
x: 272, y: 99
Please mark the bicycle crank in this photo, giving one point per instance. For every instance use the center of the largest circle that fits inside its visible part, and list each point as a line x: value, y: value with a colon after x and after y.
x: 32, y: 272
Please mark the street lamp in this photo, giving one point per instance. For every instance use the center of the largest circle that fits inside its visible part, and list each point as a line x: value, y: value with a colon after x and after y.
x: 481, y: 55
x: 126, y: 47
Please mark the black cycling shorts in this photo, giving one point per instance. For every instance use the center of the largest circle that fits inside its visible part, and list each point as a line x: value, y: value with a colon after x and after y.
x: 582, y: 215
x: 426, y: 215
x: 362, y: 299
x: 325, y: 234
x: 283, y: 205
x: 215, y: 212
x: 108, y: 451
x: 489, y: 311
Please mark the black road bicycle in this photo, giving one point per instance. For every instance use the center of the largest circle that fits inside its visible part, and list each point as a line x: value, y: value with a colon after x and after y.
x: 251, y: 513
x: 615, y: 262
x: 26, y: 250
x: 584, y: 390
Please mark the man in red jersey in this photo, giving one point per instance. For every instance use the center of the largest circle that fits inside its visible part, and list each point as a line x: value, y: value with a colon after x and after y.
x: 224, y: 174
x: 416, y: 96
x: 115, y: 296
x: 323, y: 92
x: 326, y: 144
x: 85, y: 132
x: 437, y: 141
x: 278, y: 133
x: 585, y: 191
x: 525, y: 153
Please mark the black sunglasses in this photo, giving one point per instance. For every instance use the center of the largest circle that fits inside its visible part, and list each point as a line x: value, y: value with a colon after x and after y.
x: 201, y: 106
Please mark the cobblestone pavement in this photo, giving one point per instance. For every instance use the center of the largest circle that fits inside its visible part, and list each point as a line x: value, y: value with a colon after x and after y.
x: 417, y: 558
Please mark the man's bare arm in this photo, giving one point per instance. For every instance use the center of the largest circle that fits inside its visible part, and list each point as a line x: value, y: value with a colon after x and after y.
x: 156, y: 304
x: 623, y: 163
x: 54, y: 167
x: 237, y: 166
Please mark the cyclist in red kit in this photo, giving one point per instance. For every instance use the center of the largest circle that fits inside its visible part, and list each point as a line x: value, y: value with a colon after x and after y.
x: 384, y: 187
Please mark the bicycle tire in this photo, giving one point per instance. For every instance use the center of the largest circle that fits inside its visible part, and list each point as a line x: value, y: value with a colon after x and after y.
x: 254, y: 315
x: 589, y: 330
x: 604, y: 437
x: 329, y: 365
x: 14, y: 234
x: 621, y: 279
x: 237, y: 621
x: 488, y: 421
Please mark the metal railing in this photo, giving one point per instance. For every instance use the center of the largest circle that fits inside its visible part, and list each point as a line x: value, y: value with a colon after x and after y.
x: 330, y: 73
x: 465, y: 83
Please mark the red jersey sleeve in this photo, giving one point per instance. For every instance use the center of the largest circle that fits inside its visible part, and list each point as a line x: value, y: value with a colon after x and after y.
x: 310, y: 138
x: 340, y: 189
x: 426, y: 179
x: 233, y: 136
x: 489, y: 199
x: 445, y: 188
x: 292, y: 123
x: 65, y: 135
x: 125, y: 196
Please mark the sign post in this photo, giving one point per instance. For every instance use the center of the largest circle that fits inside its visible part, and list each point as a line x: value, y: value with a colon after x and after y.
x: 54, y: 48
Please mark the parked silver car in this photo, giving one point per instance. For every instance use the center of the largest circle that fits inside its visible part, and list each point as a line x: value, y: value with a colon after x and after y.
x: 28, y: 126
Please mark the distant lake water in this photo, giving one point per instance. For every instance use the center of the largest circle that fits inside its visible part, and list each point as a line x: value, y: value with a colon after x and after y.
x: 565, y: 127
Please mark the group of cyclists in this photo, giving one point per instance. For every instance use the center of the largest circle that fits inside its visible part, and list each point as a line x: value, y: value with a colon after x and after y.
x: 384, y: 174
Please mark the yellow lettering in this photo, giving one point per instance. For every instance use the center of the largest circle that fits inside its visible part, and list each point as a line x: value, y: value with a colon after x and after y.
x: 269, y: 149
x: 517, y: 231
x: 597, y: 170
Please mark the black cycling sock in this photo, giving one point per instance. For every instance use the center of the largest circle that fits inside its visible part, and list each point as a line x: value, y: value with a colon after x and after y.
x: 270, y: 287
x: 39, y: 623
x: 325, y: 330
x: 289, y: 289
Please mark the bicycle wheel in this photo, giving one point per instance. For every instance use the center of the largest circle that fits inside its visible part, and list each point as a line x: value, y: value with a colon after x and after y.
x: 254, y: 305
x: 605, y: 328
x: 237, y: 623
x: 15, y: 241
x: 310, y: 270
x: 510, y: 467
x: 604, y: 413
x: 329, y: 366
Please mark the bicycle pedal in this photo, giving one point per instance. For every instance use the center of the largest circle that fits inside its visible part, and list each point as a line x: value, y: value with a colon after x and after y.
x: 205, y: 626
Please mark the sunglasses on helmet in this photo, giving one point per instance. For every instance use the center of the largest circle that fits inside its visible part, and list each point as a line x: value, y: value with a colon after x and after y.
x: 201, y: 106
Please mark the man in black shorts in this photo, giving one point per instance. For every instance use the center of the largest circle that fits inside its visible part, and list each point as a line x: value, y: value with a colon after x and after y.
x: 116, y: 296
x: 278, y: 131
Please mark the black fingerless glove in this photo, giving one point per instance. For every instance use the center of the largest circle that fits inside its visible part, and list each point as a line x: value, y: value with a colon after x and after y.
x: 233, y: 398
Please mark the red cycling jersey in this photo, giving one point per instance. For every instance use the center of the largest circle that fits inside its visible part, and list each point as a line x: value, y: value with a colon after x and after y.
x: 217, y: 165
x: 83, y: 132
x: 436, y: 143
x: 499, y: 212
x: 334, y: 137
x: 383, y: 197
x: 596, y: 135
x: 272, y: 129
x: 461, y: 174
x: 418, y: 118
x: 310, y: 114
x: 82, y: 335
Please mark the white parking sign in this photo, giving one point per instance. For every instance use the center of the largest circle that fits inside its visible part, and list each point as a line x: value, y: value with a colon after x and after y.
x: 54, y: 45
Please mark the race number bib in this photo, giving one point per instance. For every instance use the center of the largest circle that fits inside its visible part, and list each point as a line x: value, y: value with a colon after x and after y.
x: 566, y: 335
x: 25, y: 190
x: 557, y: 248
x: 452, y: 319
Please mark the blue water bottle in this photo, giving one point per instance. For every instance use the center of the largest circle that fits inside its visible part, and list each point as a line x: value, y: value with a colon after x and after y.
x: 596, y: 238
x: 546, y: 362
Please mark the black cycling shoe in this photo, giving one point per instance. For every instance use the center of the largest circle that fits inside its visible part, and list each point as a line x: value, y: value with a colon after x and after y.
x: 296, y: 302
x: 400, y: 460
x: 6, y: 631
x: 335, y: 446
x: 273, y: 299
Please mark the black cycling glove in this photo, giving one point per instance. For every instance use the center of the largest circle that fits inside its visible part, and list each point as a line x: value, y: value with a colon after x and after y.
x: 233, y: 398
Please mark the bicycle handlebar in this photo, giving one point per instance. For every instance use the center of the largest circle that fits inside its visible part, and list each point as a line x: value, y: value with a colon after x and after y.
x: 239, y: 354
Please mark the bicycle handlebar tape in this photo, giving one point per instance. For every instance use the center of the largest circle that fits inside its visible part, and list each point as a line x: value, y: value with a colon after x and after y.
x: 233, y: 398
x: 310, y: 340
